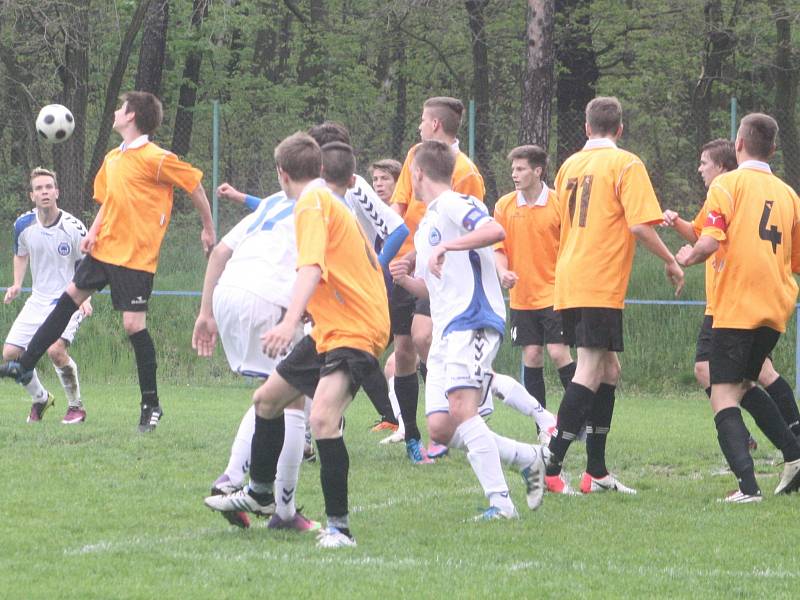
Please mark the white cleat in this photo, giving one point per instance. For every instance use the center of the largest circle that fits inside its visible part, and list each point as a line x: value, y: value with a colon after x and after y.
x: 240, y: 501
x: 790, y: 479
x: 609, y: 483
x: 533, y: 476
x: 738, y: 497
x: 395, y: 438
x: 331, y: 537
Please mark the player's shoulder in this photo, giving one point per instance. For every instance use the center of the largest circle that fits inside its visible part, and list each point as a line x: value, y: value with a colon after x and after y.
x: 70, y: 221
x: 465, y: 165
x: 24, y: 221
x: 506, y: 201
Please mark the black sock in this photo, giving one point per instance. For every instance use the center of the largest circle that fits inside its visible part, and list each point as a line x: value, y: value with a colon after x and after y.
x: 781, y: 392
x: 571, y: 417
x: 406, y: 388
x: 566, y: 373
x: 533, y: 378
x: 49, y: 331
x: 145, y: 353
x: 334, y: 464
x: 597, y: 426
x: 266, y: 448
x: 768, y: 418
x: 423, y: 371
x: 732, y: 436
x: 377, y: 391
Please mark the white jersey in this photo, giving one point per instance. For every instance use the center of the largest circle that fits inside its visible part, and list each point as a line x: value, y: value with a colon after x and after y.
x: 54, y: 252
x: 376, y: 218
x: 468, y: 295
x: 264, y: 251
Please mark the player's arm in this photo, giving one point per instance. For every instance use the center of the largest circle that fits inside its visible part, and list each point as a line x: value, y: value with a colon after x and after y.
x: 20, y: 268
x: 508, y: 279
x: 276, y: 340
x: 226, y: 190
x: 691, y: 255
x: 648, y: 238
x: 684, y: 228
x: 403, y: 192
x: 204, y: 335
x: 401, y: 275
x: 91, y: 236
x: 208, y: 236
x: 486, y: 232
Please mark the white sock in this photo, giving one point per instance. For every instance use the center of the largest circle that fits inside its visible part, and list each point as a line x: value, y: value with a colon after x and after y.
x: 36, y: 389
x: 514, y: 394
x: 514, y: 453
x: 485, y: 460
x: 68, y: 376
x: 289, y: 463
x: 239, y: 461
x: 395, y: 405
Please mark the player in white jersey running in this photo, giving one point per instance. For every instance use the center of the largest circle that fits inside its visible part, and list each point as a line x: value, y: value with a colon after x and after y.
x: 49, y: 239
x: 468, y: 314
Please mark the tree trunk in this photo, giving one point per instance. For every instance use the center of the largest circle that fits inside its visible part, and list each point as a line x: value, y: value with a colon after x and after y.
x: 153, y: 48
x: 310, y: 66
x: 480, y: 92
x: 25, y: 143
x: 787, y: 75
x: 537, y: 81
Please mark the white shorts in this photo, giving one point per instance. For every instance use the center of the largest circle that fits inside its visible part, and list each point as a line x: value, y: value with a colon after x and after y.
x: 460, y: 359
x: 31, y: 317
x: 242, y: 318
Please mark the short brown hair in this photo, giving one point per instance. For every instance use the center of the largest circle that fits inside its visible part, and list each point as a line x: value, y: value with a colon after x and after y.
x: 299, y: 157
x: 330, y: 131
x: 436, y: 159
x: 390, y: 165
x: 722, y: 152
x: 604, y: 115
x: 534, y: 154
x: 448, y: 111
x: 338, y: 163
x: 147, y: 110
x: 759, y: 133
x: 42, y: 172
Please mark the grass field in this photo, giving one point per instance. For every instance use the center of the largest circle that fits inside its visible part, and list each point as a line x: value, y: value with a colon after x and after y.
x: 100, y: 511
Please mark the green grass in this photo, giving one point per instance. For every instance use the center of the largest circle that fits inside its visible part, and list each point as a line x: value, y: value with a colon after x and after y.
x: 99, y: 511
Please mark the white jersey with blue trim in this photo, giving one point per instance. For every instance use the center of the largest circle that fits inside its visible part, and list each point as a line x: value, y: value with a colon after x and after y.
x: 376, y: 218
x: 53, y: 251
x: 468, y: 294
x: 264, y: 256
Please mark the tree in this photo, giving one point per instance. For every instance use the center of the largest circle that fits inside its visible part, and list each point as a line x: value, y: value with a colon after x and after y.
x: 153, y: 48
x: 787, y: 75
x: 187, y: 97
x: 537, y: 78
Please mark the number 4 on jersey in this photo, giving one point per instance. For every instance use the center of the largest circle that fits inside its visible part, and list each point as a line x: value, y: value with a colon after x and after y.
x: 769, y: 234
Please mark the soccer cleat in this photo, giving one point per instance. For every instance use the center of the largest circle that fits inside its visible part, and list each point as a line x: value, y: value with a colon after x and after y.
x: 149, y: 418
x: 493, y: 513
x: 396, y: 437
x: 38, y: 408
x: 383, y: 425
x: 416, y: 453
x: 790, y: 478
x: 609, y: 483
x: 533, y: 476
x: 241, y: 501
x: 557, y: 484
x: 14, y: 370
x: 437, y: 450
x: 75, y: 414
x: 222, y: 486
x: 298, y: 523
x: 333, y: 538
x: 738, y: 497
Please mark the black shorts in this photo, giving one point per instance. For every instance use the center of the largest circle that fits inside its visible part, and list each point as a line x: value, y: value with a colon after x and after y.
x: 423, y: 307
x: 401, y: 310
x: 130, y: 289
x: 593, y: 328
x: 739, y: 354
x: 536, y: 327
x: 703, y: 349
x: 304, y: 367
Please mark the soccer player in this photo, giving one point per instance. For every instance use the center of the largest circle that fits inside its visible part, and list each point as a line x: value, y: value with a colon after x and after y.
x: 753, y: 219
x: 49, y: 238
x: 526, y: 264
x: 339, y: 282
x: 718, y: 157
x: 411, y: 321
x: 134, y: 187
x: 455, y: 267
x: 385, y: 173
x: 607, y: 203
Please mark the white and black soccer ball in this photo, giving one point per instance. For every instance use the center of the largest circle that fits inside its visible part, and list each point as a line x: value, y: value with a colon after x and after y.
x: 55, y: 123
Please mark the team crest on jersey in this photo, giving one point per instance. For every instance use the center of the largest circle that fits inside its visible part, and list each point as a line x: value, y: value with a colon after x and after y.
x: 434, y: 237
x: 64, y: 249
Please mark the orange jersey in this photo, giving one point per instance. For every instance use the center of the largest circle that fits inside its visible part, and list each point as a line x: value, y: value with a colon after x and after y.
x: 710, y: 264
x: 531, y: 246
x: 602, y: 192
x: 466, y: 180
x: 349, y: 306
x: 754, y: 216
x: 135, y: 187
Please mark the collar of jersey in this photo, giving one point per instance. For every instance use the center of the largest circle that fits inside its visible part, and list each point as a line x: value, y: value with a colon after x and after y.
x: 540, y: 201
x: 599, y: 143
x: 137, y: 143
x: 756, y: 165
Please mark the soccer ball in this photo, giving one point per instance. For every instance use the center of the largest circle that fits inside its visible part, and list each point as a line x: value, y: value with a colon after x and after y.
x: 55, y: 123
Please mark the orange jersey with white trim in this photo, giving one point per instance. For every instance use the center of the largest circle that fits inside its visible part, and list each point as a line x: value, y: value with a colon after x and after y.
x: 602, y: 192
x: 531, y: 246
x: 710, y: 264
x: 135, y: 187
x: 349, y: 306
x: 466, y: 180
x: 754, y: 216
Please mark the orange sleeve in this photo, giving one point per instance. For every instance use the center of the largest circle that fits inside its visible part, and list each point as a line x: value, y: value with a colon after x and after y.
x: 796, y: 237
x: 699, y: 221
x: 403, y: 193
x: 311, y: 232
x: 500, y: 217
x: 100, y: 188
x: 181, y: 174
x: 718, y: 209
x: 637, y: 196
x: 472, y: 184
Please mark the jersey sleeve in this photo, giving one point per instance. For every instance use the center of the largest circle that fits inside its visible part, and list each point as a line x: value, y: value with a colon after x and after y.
x: 500, y: 217
x: 465, y: 211
x: 719, y: 210
x: 471, y: 184
x: 637, y: 196
x: 100, y: 188
x: 699, y: 221
x: 382, y: 218
x: 311, y: 232
x: 238, y: 233
x: 179, y: 173
x: 403, y: 193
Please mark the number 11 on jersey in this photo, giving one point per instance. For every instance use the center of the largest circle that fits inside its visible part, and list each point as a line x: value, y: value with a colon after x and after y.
x: 586, y: 190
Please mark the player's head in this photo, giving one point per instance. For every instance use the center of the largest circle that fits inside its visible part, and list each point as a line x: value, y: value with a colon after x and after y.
x: 528, y: 164
x: 330, y: 131
x: 604, y: 117
x: 441, y: 118
x: 298, y: 160
x: 432, y: 166
x: 716, y: 157
x: 141, y: 110
x: 385, y: 173
x: 757, y: 136
x: 44, y: 187
x: 338, y: 164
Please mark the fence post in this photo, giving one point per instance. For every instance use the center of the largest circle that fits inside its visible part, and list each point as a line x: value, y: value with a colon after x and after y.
x: 733, y: 118
x: 797, y: 347
x: 215, y: 165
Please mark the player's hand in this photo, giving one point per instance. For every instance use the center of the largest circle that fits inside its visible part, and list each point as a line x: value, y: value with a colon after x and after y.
x: 508, y: 279
x: 670, y: 218
x: 87, y: 243
x: 436, y: 261
x: 204, y: 336
x: 11, y: 293
x: 399, y: 268
x: 226, y: 190
x: 86, y: 308
x: 277, y: 340
x: 682, y: 255
x: 209, y: 239
x: 675, y: 275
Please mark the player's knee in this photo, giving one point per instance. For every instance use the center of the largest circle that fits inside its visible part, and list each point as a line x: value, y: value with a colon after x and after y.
x: 11, y: 352
x: 533, y: 356
x: 768, y: 374
x: 58, y: 354
x: 612, y: 371
x: 405, y: 357
x: 133, y: 322
x: 701, y: 374
x: 440, y: 429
